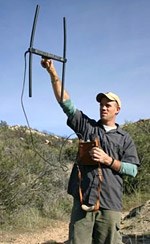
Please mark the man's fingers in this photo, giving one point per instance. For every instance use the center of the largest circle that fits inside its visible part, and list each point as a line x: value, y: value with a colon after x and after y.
x: 45, y: 63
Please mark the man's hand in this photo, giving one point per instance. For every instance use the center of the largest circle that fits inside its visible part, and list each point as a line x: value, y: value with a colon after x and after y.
x: 48, y: 64
x: 98, y: 155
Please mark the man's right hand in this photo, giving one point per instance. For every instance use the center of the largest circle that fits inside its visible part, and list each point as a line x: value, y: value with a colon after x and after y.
x: 48, y: 64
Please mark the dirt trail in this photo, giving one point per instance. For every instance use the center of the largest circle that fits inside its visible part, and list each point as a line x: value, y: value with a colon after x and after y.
x: 58, y: 234
x: 135, y: 228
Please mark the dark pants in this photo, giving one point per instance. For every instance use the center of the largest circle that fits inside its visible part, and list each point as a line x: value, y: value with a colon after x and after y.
x: 100, y: 227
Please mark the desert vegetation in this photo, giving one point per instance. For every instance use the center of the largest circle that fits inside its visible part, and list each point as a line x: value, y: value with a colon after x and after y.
x: 34, y: 172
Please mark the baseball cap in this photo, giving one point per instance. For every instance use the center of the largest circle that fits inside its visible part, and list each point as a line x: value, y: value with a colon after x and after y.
x: 109, y: 95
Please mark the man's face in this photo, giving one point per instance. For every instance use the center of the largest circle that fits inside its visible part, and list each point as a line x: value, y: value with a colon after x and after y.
x: 108, y: 110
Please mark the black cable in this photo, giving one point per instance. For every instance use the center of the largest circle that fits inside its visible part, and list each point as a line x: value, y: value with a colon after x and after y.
x: 62, y: 165
x: 61, y: 149
x: 25, y: 114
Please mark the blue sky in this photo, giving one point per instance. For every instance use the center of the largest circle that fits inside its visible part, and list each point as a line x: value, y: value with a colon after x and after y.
x: 108, y: 49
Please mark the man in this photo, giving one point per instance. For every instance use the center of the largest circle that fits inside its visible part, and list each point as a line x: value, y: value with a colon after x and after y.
x: 102, y: 179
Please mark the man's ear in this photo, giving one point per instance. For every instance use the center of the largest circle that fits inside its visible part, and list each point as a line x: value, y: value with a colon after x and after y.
x: 118, y: 110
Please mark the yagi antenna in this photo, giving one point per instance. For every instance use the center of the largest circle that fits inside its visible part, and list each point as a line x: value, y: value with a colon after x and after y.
x: 47, y: 55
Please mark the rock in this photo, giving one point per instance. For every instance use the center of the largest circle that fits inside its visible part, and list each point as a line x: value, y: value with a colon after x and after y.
x: 135, y: 225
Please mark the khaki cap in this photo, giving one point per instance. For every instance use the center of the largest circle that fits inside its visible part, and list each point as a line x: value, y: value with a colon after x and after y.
x: 111, y: 96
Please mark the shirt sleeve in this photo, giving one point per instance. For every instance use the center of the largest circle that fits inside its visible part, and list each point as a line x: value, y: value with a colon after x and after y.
x: 128, y: 169
x: 129, y: 151
x: 68, y: 107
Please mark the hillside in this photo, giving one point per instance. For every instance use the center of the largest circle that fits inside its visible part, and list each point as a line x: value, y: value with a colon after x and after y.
x: 34, y: 172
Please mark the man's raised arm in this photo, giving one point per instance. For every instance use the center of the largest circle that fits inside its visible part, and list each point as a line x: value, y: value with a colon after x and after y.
x: 56, y: 82
x: 66, y: 104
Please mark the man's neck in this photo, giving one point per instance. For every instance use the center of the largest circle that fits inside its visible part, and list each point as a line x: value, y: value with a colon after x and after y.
x: 108, y: 128
x: 109, y: 123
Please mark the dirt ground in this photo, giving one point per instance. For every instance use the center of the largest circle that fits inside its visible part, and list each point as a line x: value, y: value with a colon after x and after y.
x: 135, y: 228
x: 57, y: 234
